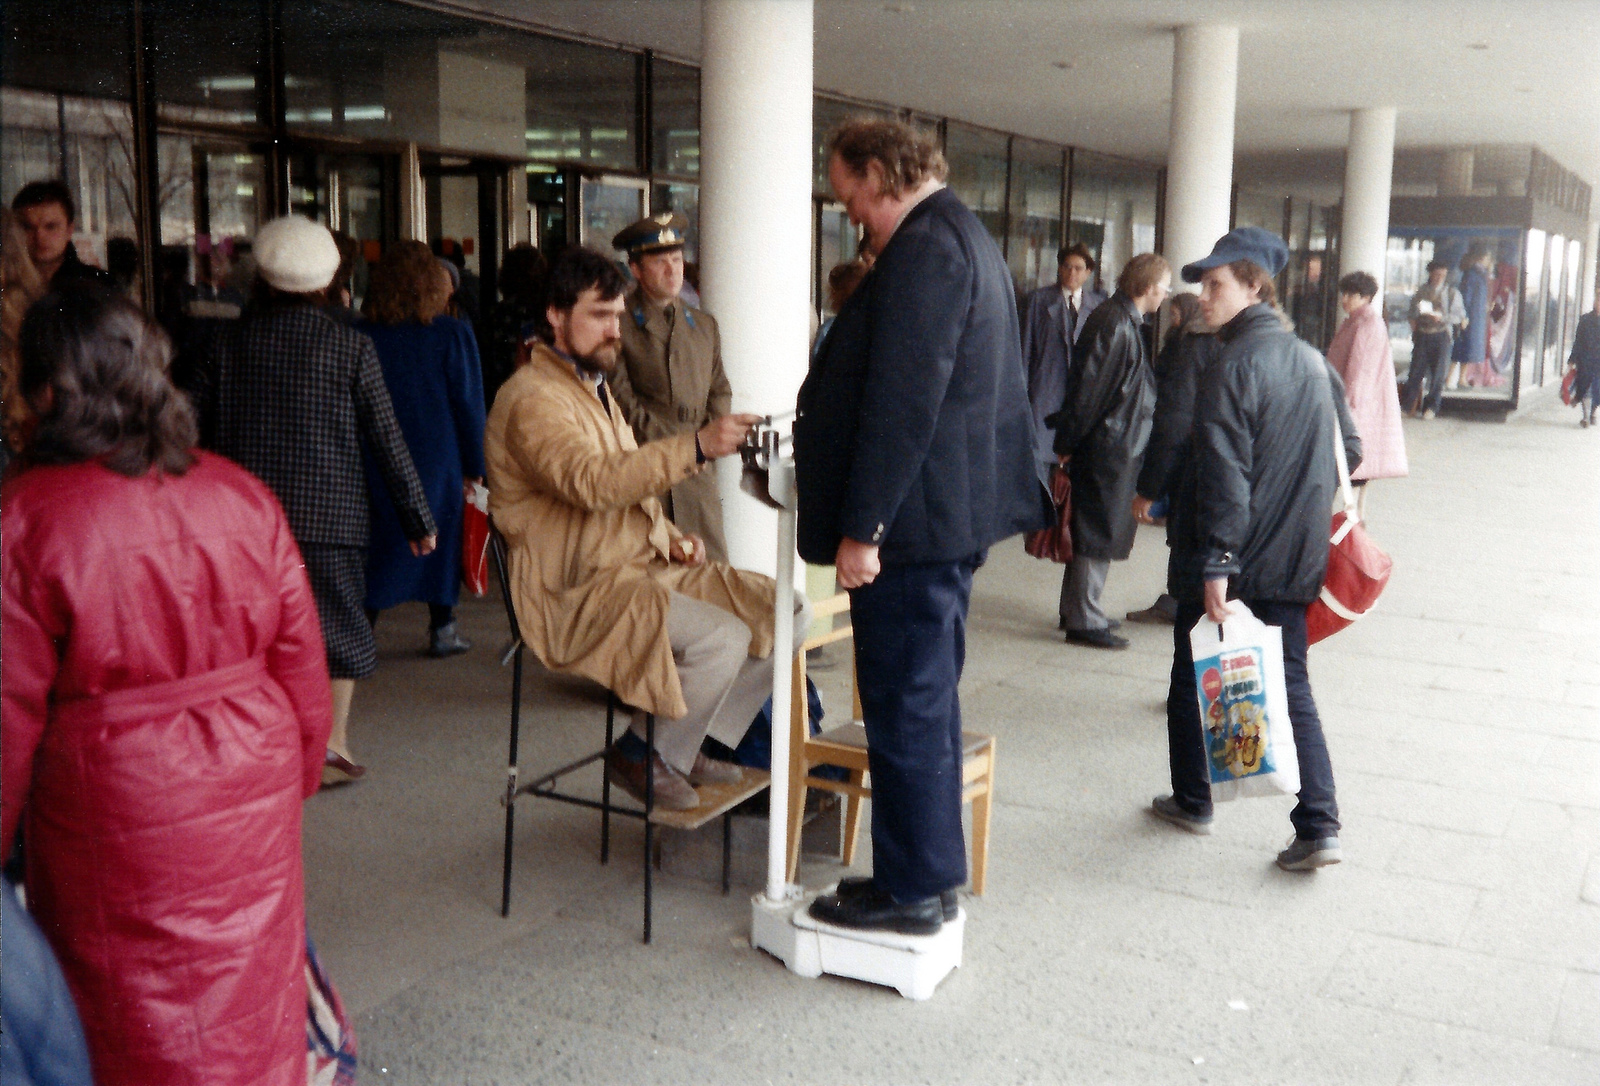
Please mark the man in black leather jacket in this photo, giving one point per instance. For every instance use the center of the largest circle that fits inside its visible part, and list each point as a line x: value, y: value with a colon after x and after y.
x: 1264, y: 421
x: 1101, y: 432
x: 914, y: 452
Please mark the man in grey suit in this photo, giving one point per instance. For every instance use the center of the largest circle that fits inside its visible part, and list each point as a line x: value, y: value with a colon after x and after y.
x: 1050, y: 332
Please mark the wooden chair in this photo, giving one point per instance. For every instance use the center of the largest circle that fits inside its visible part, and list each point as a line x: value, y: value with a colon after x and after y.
x: 846, y: 746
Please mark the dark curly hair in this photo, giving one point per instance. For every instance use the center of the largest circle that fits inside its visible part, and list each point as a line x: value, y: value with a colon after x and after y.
x: 580, y: 268
x: 1360, y: 284
x: 105, y: 366
x: 408, y: 284
x: 906, y: 156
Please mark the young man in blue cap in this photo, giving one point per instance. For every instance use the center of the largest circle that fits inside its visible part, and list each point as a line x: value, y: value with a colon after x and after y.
x: 1257, y: 522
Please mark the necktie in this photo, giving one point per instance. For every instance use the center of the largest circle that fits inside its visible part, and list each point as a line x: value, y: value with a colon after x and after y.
x: 605, y: 400
x: 1072, y: 307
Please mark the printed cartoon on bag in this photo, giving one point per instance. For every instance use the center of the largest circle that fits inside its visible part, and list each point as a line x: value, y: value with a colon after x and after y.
x: 1235, y: 715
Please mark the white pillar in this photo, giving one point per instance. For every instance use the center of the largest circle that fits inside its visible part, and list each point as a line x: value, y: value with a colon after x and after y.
x: 755, y: 223
x: 1368, y: 177
x: 1205, y: 82
x: 1591, y: 247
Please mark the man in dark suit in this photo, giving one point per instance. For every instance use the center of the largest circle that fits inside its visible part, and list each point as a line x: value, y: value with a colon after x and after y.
x: 913, y: 454
x: 1050, y: 333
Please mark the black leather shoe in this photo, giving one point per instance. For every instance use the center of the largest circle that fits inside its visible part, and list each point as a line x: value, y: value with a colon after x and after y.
x: 874, y: 910
x: 1099, y: 639
x: 859, y: 884
x: 1111, y: 624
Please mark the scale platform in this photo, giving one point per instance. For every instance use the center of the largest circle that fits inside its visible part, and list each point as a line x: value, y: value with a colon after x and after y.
x: 913, y: 965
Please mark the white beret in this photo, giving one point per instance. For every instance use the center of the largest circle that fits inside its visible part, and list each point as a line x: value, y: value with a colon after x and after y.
x: 296, y: 255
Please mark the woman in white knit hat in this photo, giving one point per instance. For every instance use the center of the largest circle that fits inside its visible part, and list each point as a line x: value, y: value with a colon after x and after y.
x: 290, y: 394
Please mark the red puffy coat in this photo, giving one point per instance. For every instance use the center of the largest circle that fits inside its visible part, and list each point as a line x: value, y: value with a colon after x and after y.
x: 165, y: 711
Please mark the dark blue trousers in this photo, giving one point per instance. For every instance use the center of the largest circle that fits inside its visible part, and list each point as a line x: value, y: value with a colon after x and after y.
x: 910, y: 640
x: 1317, y: 813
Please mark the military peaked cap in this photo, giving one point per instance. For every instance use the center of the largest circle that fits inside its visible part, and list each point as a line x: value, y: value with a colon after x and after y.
x: 664, y: 231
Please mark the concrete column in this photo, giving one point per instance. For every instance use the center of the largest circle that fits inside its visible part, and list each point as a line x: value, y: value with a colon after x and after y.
x: 755, y: 223
x: 1205, y: 78
x: 1368, y: 175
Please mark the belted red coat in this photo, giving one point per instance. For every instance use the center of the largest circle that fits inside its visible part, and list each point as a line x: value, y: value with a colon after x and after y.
x: 165, y: 710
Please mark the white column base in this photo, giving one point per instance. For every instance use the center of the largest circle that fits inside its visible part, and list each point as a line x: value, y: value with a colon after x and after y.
x: 913, y: 965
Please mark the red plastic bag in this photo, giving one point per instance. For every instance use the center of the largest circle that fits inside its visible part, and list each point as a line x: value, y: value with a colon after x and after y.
x: 1055, y: 542
x: 1566, y: 387
x: 475, y: 541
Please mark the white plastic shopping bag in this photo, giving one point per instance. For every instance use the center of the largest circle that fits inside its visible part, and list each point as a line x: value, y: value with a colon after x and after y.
x: 1244, y: 706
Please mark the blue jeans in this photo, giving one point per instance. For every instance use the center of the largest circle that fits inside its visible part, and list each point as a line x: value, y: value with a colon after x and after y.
x: 1317, y: 813
x: 1430, y: 358
x: 910, y: 642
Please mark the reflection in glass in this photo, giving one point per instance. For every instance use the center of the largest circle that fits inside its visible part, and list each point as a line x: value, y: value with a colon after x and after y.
x: 208, y: 60
x: 609, y: 204
x: 675, y: 126
x: 1113, y: 209
x: 1533, y: 307
x: 1035, y: 215
x: 977, y: 159
x: 88, y: 142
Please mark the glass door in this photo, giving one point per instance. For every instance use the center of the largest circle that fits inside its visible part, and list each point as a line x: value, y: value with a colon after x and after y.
x: 462, y: 200
x: 351, y: 194
x: 836, y: 242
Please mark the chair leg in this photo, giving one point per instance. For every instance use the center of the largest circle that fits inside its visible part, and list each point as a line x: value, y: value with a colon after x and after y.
x: 727, y: 852
x: 511, y: 781
x: 852, y: 819
x: 649, y: 810
x: 981, y: 805
x: 797, y: 810
x: 605, y: 781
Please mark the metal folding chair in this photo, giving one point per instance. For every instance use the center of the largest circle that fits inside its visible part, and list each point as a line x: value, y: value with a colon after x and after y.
x: 545, y: 787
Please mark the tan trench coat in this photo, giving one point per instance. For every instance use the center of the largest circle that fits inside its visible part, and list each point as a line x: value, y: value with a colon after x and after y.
x: 574, y: 495
x: 670, y: 381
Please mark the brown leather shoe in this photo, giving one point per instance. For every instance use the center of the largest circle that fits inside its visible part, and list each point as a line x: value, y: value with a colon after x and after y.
x: 711, y: 771
x: 337, y: 769
x: 672, y: 791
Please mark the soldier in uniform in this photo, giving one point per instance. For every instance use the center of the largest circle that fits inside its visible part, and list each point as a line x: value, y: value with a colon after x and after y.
x: 670, y: 380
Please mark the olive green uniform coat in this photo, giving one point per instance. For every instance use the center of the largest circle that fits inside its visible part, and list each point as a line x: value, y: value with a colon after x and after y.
x: 668, y: 382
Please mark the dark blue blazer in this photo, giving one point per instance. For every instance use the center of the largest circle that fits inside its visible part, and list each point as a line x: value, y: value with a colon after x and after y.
x: 914, y: 431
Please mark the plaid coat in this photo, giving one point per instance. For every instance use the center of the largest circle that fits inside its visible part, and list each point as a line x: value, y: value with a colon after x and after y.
x: 291, y: 394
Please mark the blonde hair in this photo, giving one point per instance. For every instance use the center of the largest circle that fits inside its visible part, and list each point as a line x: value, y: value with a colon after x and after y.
x: 408, y: 284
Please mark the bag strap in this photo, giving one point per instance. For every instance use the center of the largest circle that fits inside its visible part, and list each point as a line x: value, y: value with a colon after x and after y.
x: 1345, y: 488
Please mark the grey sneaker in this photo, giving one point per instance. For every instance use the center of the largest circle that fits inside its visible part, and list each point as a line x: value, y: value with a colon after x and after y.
x: 446, y: 641
x: 1166, y: 808
x: 1308, y: 854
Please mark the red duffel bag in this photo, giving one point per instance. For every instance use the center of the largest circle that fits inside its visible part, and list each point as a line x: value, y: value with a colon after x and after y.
x: 1054, y: 543
x: 1358, y: 569
x: 475, y: 541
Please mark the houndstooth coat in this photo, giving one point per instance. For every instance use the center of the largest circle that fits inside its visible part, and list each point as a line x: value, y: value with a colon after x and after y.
x: 291, y: 394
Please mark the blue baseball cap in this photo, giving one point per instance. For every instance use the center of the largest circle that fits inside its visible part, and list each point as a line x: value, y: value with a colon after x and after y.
x: 1252, y: 243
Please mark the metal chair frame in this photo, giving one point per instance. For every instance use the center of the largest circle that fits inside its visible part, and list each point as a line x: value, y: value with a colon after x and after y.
x: 545, y: 787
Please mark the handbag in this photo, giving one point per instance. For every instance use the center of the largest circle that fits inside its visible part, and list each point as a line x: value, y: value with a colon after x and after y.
x: 1567, y: 384
x: 330, y: 1041
x: 1358, y: 569
x: 475, y: 541
x: 1055, y: 542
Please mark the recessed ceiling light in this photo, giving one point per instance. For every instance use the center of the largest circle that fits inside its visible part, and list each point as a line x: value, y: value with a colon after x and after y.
x: 1478, y: 45
x: 1062, y: 64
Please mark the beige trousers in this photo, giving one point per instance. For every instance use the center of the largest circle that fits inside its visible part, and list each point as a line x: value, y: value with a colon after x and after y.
x: 723, y: 685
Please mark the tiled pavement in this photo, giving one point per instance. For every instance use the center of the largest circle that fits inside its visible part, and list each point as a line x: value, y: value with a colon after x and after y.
x: 1459, y: 943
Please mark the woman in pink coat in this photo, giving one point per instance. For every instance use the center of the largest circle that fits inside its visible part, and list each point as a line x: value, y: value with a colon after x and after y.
x: 1360, y: 353
x: 165, y: 712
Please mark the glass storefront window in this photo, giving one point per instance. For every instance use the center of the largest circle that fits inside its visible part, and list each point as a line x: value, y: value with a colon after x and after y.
x: 73, y: 47
x: 382, y: 70
x: 675, y: 118
x: 208, y: 66
x: 977, y: 159
x: 1575, y: 306
x: 1113, y: 208
x: 1410, y: 251
x: 836, y: 243
x: 1555, y: 295
x: 1035, y: 212
x: 685, y: 200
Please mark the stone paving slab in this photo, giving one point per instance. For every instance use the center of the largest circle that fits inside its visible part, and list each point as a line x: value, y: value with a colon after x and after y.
x: 1458, y: 944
